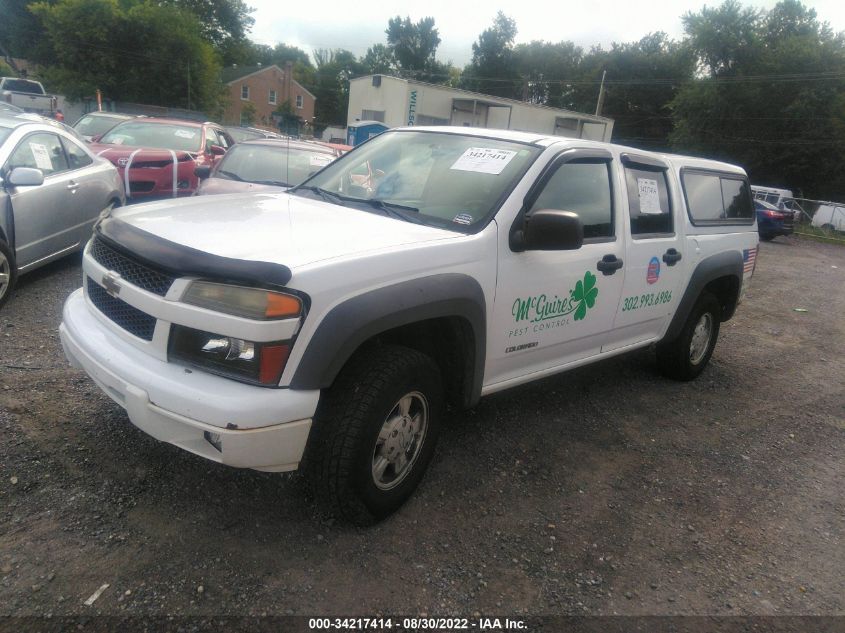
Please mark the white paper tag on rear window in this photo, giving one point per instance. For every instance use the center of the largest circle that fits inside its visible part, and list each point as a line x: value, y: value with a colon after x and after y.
x: 185, y: 134
x: 484, y: 160
x: 649, y: 196
x: 41, y: 156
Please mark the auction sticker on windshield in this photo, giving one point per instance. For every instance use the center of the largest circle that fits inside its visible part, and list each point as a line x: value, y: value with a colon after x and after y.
x: 41, y: 156
x: 184, y: 134
x: 484, y: 160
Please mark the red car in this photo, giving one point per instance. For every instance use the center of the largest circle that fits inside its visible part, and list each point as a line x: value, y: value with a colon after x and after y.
x: 157, y: 157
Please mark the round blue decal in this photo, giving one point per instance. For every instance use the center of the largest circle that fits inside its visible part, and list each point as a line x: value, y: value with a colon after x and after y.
x: 653, y: 273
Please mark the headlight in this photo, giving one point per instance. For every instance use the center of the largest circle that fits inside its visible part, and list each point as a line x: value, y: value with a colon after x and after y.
x: 251, y: 303
x: 258, y: 363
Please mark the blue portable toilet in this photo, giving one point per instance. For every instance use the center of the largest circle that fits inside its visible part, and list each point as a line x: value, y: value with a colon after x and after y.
x: 360, y: 131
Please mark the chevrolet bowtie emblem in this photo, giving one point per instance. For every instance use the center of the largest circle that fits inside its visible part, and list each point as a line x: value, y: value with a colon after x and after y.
x: 111, y: 285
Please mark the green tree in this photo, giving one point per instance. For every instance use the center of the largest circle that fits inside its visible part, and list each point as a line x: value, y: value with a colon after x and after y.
x: 772, y: 102
x: 143, y: 52
x: 493, y: 69
x: 414, y: 45
x: 379, y: 60
x: 331, y: 84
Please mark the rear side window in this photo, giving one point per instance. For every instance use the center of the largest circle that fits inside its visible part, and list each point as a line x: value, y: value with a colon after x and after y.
x: 648, y: 201
x: 76, y: 156
x: 583, y: 188
x: 717, y: 198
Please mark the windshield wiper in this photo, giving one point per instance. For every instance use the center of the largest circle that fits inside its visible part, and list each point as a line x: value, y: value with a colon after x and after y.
x: 229, y: 175
x: 401, y: 211
x: 328, y: 196
x: 273, y: 183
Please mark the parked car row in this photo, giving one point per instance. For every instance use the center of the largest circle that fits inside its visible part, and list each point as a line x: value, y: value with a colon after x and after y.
x: 57, y: 180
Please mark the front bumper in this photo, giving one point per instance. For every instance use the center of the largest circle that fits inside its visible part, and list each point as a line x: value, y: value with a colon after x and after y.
x: 253, y: 427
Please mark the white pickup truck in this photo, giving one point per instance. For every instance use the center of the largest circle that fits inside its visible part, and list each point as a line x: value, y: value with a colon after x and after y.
x: 28, y: 95
x: 331, y: 325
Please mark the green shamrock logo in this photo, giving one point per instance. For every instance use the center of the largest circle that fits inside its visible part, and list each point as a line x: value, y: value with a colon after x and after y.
x: 585, y: 295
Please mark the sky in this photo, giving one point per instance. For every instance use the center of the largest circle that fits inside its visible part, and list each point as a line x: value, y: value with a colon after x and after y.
x: 356, y: 26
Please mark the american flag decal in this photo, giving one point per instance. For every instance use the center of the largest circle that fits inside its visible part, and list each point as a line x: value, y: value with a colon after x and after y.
x: 749, y: 257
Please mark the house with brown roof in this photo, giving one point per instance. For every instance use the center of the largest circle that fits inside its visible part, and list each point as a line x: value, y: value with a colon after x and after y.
x: 265, y: 88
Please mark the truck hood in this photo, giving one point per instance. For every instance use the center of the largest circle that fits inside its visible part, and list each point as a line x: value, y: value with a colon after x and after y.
x: 217, y: 186
x: 275, y: 228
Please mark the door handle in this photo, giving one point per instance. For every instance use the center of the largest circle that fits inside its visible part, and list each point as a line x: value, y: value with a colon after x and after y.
x: 671, y: 257
x: 609, y: 264
x: 73, y: 186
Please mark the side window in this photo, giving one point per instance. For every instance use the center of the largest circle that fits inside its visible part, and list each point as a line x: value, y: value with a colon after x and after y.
x: 211, y: 138
x: 76, y: 156
x: 737, y: 199
x: 648, y: 201
x: 40, y: 151
x: 715, y: 199
x: 583, y: 188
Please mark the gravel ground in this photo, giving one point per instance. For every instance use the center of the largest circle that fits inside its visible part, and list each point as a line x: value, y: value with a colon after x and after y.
x: 607, y: 490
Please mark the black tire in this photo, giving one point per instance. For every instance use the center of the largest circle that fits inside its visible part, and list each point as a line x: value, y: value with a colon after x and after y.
x: 680, y: 359
x: 8, y: 273
x: 767, y: 237
x: 345, y: 444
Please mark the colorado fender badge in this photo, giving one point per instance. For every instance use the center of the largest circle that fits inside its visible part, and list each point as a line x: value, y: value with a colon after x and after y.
x: 111, y: 285
x: 653, y: 273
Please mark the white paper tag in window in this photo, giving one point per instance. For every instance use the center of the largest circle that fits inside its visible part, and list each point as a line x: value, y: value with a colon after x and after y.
x: 184, y: 134
x: 41, y: 156
x: 484, y: 160
x: 317, y: 160
x: 649, y: 196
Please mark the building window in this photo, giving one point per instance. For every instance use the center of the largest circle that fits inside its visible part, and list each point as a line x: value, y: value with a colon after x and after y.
x: 372, y: 115
x: 299, y: 101
x: 245, y: 93
x: 272, y: 98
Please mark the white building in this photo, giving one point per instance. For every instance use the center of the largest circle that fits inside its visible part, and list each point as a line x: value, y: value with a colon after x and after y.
x: 397, y: 102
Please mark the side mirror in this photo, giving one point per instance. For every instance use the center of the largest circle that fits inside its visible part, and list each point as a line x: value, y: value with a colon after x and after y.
x: 217, y: 150
x: 549, y: 230
x: 202, y: 172
x: 26, y: 177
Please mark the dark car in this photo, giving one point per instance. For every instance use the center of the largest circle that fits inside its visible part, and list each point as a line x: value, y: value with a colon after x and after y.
x: 772, y: 221
x: 263, y: 165
x: 161, y: 154
x: 95, y: 124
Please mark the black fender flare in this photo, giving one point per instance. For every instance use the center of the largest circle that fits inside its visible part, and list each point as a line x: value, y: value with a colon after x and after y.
x: 725, y: 264
x: 350, y: 324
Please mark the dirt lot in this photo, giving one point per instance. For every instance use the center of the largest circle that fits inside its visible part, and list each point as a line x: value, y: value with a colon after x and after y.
x: 605, y: 490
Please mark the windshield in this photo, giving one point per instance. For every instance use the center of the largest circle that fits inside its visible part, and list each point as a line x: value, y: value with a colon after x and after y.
x: 271, y: 164
x: 4, y: 134
x: 23, y: 85
x: 155, y: 135
x: 447, y: 180
x: 92, y: 125
x: 240, y: 134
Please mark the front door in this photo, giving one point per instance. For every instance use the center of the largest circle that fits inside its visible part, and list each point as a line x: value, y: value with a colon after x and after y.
x: 654, y: 266
x: 46, y: 216
x: 554, y: 308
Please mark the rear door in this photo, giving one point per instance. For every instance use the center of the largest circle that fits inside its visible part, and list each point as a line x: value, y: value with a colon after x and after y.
x: 654, y: 266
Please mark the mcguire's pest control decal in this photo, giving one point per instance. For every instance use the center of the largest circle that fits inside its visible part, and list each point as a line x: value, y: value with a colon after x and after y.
x: 653, y: 271
x: 544, y: 312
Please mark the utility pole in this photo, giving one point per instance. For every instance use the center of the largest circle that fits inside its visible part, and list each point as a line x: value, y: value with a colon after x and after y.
x: 601, y: 94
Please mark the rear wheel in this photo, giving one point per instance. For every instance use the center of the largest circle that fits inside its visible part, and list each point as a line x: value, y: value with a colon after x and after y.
x: 8, y: 272
x: 375, y: 433
x: 767, y: 237
x: 686, y: 357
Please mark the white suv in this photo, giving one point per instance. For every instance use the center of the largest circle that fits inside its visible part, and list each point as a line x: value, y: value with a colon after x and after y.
x: 329, y: 326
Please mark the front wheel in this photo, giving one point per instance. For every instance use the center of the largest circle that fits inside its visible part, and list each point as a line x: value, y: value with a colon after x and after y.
x: 686, y: 357
x: 375, y: 433
x: 8, y: 272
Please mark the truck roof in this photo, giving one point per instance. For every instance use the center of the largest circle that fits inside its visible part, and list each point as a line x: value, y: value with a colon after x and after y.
x: 545, y: 140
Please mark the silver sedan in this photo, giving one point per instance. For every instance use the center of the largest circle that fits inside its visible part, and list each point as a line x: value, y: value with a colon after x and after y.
x: 52, y: 190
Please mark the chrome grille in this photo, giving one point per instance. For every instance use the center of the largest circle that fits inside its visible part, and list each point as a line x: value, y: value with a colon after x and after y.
x: 132, y: 271
x: 131, y: 319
